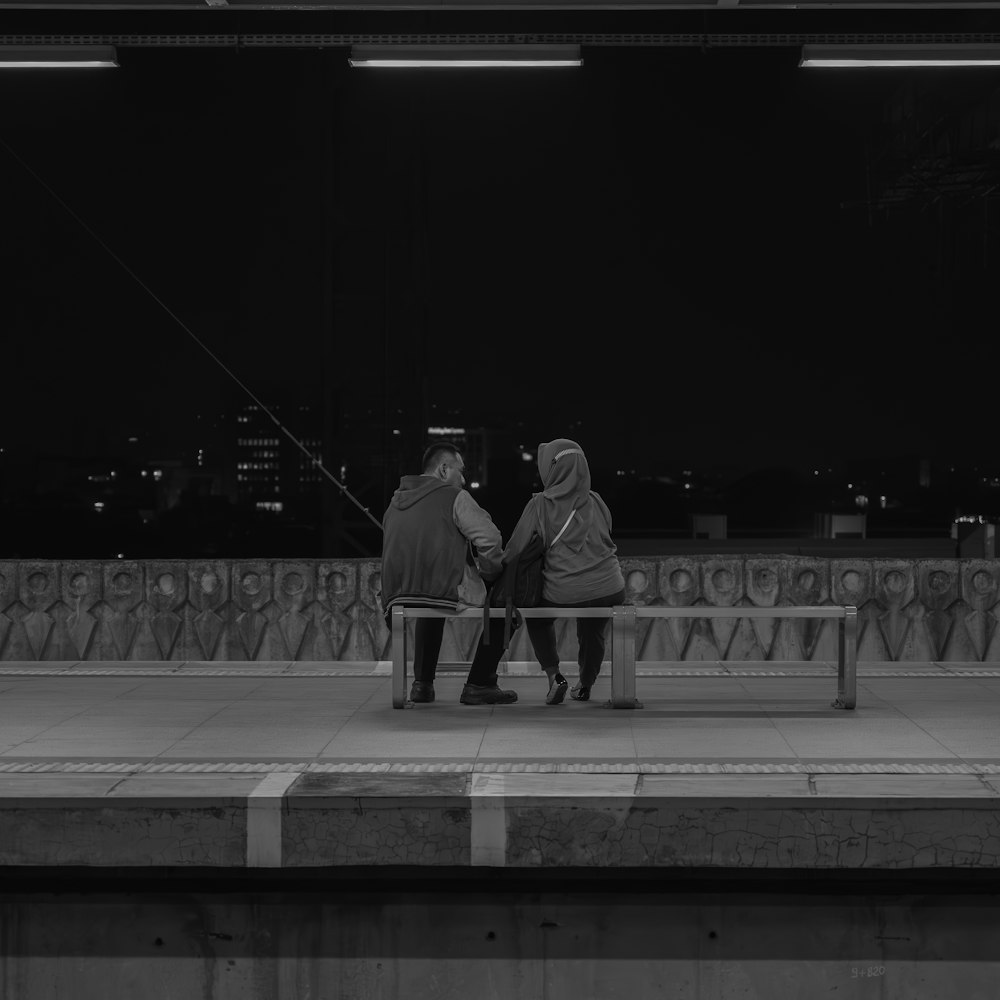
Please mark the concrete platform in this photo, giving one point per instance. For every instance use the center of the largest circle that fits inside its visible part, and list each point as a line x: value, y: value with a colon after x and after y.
x: 298, y: 765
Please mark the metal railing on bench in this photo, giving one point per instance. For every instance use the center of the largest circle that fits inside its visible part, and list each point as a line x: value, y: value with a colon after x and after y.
x: 623, y: 639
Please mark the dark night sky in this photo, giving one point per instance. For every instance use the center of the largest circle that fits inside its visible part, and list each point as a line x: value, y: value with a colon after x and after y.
x: 653, y: 246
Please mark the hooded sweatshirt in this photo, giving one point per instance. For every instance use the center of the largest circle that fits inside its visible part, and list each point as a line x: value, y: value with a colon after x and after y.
x: 582, y: 565
x: 428, y: 527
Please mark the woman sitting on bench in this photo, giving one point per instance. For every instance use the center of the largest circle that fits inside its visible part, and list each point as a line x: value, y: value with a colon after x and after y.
x: 581, y: 568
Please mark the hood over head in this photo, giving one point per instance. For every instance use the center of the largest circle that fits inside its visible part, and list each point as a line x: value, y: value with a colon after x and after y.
x: 565, y: 475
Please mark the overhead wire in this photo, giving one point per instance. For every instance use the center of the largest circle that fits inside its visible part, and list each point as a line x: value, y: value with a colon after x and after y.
x: 316, y: 462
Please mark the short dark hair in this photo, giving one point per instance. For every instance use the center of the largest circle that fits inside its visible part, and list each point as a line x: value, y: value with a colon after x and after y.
x: 434, y: 453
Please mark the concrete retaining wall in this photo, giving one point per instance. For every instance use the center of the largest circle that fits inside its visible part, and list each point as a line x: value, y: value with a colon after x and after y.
x: 218, y: 610
x: 673, y: 946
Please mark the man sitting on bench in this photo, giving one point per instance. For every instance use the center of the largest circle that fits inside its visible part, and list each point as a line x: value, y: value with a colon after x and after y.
x: 438, y: 545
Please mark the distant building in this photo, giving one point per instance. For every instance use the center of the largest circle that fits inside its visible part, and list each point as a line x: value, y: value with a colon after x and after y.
x: 271, y: 471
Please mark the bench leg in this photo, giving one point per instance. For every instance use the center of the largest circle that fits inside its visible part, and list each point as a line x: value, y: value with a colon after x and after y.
x: 847, y: 660
x: 623, y: 658
x: 399, y: 657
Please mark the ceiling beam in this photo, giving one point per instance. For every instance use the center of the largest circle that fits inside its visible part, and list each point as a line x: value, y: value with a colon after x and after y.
x: 606, y: 38
x: 397, y: 6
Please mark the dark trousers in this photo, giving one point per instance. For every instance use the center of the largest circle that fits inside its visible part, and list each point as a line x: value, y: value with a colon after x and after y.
x: 590, y: 632
x: 429, y: 633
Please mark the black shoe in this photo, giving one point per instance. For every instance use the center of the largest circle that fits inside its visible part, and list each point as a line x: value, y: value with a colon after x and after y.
x: 580, y: 693
x: 557, y: 690
x: 422, y: 691
x: 480, y: 694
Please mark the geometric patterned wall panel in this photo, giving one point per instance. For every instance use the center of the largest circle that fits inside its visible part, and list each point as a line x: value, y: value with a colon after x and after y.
x: 324, y: 610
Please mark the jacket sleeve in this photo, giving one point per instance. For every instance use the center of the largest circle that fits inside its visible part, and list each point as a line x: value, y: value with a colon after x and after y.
x: 527, y: 523
x: 603, y: 508
x: 478, y: 527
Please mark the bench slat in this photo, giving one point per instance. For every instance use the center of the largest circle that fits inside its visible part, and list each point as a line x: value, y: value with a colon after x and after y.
x: 697, y: 611
x: 809, y: 611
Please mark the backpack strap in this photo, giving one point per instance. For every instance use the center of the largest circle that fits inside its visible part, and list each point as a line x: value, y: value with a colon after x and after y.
x: 508, y: 576
x: 563, y: 528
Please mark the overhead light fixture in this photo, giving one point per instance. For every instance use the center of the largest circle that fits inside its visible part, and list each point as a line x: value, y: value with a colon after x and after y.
x: 464, y: 56
x: 57, y: 56
x: 898, y: 56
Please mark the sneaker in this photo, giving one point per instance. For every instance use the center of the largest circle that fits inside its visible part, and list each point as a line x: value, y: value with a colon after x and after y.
x: 580, y: 693
x: 557, y: 691
x: 422, y: 691
x: 478, y: 694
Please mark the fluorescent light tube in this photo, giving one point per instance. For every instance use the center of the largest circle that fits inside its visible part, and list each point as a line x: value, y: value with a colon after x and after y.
x: 57, y: 56
x: 897, y: 56
x: 464, y: 56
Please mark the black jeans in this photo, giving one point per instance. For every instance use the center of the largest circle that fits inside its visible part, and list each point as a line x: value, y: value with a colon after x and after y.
x: 427, y: 646
x: 590, y: 632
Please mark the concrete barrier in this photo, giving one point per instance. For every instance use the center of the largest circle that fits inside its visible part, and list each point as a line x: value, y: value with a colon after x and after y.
x: 327, y: 610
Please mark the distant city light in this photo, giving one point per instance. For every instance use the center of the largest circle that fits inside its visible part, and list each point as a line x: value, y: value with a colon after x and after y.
x: 445, y: 430
x: 121, y: 555
x: 687, y: 472
x: 395, y: 432
x: 970, y: 519
x: 275, y: 506
x: 474, y: 485
x: 98, y: 505
x: 687, y: 486
x: 133, y: 440
x: 526, y: 456
x: 861, y: 500
x: 850, y: 486
x: 144, y: 473
x: 113, y: 473
x: 815, y: 472
x: 157, y: 473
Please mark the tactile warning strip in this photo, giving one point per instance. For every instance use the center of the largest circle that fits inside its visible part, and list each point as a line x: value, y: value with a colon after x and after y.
x: 490, y: 767
x: 143, y: 671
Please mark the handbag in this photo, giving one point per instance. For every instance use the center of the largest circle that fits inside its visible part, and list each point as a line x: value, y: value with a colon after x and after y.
x: 519, y: 584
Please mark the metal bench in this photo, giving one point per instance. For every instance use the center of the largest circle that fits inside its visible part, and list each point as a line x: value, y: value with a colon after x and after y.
x: 623, y: 639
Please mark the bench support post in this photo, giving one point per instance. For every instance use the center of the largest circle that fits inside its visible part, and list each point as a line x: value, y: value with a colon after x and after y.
x: 847, y: 660
x: 623, y: 658
x: 399, y: 656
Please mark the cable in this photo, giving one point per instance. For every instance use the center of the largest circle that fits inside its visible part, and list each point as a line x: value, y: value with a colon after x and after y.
x: 317, y: 463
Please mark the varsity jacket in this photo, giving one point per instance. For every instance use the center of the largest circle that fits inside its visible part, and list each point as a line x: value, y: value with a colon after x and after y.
x: 438, y: 543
